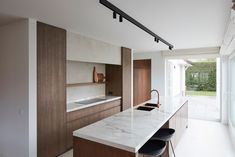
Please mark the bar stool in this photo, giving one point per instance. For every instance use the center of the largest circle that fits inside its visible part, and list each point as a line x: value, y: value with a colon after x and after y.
x: 165, y: 134
x: 153, y: 148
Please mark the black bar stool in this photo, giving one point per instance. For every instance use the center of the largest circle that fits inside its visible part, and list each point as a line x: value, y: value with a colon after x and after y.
x: 153, y: 148
x: 165, y: 134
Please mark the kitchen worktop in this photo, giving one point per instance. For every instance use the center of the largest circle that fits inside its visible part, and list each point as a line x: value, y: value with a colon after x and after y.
x: 73, y: 106
x: 131, y: 129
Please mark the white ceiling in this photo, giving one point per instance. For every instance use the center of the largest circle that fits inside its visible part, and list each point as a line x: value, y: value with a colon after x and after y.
x: 184, y: 23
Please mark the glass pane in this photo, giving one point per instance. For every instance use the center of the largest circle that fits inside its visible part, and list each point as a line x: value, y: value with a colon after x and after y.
x: 232, y: 107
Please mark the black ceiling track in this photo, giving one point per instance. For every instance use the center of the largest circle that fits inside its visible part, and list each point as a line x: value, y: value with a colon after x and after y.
x: 132, y: 20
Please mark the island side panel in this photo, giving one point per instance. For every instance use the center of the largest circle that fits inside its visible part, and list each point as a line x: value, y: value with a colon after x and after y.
x: 86, y: 148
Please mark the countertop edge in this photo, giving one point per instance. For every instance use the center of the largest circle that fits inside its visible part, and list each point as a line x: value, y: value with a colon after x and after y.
x: 104, y: 142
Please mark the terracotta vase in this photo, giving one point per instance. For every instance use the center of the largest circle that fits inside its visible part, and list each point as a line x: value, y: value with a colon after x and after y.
x: 95, y: 77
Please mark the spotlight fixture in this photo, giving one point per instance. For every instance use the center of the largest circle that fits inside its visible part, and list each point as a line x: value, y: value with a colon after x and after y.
x: 114, y: 15
x: 133, y: 21
x: 120, y: 18
x: 156, y: 39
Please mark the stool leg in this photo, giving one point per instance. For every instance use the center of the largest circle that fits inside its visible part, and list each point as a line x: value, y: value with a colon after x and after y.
x: 172, y: 148
x: 168, y: 153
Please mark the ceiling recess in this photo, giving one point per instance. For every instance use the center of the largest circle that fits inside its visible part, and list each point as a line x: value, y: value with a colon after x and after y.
x: 123, y: 15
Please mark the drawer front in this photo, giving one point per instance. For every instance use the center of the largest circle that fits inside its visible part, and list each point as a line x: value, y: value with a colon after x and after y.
x: 71, y: 116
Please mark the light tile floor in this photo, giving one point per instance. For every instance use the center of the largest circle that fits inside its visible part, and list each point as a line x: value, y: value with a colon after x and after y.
x: 201, y: 139
x: 205, y: 139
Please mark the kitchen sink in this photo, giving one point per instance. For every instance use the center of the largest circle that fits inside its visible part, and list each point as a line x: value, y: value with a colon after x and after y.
x: 150, y: 104
x: 143, y: 108
x: 91, y: 101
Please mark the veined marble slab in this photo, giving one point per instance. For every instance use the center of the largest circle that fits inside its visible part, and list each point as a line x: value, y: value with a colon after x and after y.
x: 131, y: 129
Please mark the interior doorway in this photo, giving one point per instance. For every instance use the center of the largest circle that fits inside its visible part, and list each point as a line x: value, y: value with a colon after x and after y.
x: 199, y: 81
x: 141, y: 81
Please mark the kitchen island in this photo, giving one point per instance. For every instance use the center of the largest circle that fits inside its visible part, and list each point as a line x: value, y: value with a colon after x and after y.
x: 123, y: 134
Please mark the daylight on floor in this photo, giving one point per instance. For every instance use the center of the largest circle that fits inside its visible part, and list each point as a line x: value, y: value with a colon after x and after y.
x: 117, y: 78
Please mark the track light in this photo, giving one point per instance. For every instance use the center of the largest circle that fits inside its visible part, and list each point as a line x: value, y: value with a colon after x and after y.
x: 114, y: 15
x: 120, y: 18
x: 123, y: 15
x: 156, y: 39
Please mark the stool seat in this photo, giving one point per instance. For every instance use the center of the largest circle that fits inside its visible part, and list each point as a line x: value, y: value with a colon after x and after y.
x: 153, y: 148
x: 164, y: 134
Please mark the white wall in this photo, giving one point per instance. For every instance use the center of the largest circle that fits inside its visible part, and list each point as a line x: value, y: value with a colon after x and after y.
x: 158, y: 69
x: 224, y: 89
x: 32, y: 88
x: 81, y: 72
x: 175, y: 78
x: 18, y: 89
x: 81, y: 48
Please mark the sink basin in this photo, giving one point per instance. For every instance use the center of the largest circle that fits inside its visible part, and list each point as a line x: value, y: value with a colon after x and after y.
x: 143, y: 108
x: 150, y: 104
x: 90, y: 101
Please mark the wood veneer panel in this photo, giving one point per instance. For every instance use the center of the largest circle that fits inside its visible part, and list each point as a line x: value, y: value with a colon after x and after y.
x: 126, y: 77
x: 86, y: 148
x: 113, y: 84
x: 142, y: 81
x: 51, y: 91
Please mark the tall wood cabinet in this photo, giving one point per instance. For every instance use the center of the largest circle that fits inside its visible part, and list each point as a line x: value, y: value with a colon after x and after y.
x: 51, y: 91
x: 118, y: 78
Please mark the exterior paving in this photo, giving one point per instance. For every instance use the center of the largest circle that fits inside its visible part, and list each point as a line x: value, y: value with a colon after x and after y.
x: 204, y: 108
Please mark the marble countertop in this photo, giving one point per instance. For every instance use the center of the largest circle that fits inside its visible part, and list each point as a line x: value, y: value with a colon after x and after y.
x: 131, y: 129
x: 73, y: 106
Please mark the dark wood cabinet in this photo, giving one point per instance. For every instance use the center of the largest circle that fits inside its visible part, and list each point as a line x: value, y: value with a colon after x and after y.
x: 51, y: 93
x: 113, y: 76
x: 118, y: 78
x: 80, y: 118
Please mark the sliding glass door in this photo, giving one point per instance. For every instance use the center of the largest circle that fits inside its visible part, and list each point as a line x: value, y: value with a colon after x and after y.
x: 232, y: 93
x: 231, y: 108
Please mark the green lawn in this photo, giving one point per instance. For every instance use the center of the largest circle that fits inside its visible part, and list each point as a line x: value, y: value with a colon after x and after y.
x: 200, y: 93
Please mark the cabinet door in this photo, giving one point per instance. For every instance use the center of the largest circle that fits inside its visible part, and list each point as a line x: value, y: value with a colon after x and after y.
x: 51, y: 92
